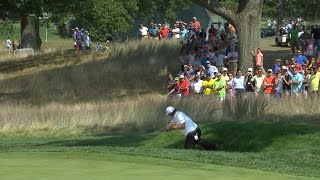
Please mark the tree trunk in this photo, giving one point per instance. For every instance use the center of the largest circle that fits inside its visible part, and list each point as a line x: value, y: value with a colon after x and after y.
x: 30, y: 37
x: 249, y: 33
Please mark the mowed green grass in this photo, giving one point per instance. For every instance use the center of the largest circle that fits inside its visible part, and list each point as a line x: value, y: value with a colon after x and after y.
x: 63, y: 165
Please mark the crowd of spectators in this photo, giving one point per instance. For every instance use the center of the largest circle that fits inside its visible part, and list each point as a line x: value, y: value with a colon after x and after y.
x: 209, y: 67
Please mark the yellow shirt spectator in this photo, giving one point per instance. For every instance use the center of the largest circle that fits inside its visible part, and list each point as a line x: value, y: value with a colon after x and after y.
x: 208, y: 86
x: 314, y: 82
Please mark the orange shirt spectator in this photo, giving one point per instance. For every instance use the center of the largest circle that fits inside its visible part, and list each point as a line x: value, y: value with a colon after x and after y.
x: 269, y: 82
x: 196, y: 23
x: 184, y: 86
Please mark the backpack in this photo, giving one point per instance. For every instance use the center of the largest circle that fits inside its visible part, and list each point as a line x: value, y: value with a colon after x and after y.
x: 78, y: 35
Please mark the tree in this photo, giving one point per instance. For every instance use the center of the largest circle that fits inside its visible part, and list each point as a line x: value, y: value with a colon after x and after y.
x: 246, y: 19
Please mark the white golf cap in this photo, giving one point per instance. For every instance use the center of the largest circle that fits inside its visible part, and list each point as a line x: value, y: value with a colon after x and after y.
x: 284, y: 67
x: 169, y: 110
x: 250, y: 69
x: 269, y: 70
x: 224, y: 69
x: 181, y: 76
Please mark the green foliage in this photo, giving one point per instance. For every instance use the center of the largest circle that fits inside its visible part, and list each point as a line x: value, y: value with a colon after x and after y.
x: 6, y: 27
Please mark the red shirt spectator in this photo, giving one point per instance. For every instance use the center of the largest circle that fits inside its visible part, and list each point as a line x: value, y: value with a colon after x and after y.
x: 269, y: 82
x: 164, y: 33
x: 213, y: 31
x: 184, y: 86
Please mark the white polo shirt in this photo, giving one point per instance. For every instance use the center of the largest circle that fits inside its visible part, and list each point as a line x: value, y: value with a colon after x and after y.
x: 180, y: 118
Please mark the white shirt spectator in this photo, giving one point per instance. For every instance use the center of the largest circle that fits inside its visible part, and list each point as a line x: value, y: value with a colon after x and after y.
x: 258, y: 81
x: 176, y: 33
x: 180, y: 118
x: 197, y: 86
x: 143, y: 31
x: 9, y: 43
x: 238, y: 82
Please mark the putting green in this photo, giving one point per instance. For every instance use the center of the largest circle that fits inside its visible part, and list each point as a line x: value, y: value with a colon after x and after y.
x: 75, y: 165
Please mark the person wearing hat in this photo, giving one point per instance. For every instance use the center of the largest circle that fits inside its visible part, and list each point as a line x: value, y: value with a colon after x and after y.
x: 184, y: 85
x: 196, y: 24
x: 296, y: 82
x: 192, y: 132
x: 211, y: 69
x: 224, y: 75
x: 219, y: 86
x: 301, y: 59
x: 175, y: 88
x: 247, y: 80
x: 277, y: 66
x: 269, y: 83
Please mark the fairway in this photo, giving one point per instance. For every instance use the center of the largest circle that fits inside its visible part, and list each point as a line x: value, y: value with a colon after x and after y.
x: 65, y: 165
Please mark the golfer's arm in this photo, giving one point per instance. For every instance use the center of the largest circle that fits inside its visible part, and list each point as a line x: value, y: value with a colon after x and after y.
x: 181, y: 126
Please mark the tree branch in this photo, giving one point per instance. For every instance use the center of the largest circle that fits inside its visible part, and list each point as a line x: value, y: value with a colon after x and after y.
x: 218, y: 9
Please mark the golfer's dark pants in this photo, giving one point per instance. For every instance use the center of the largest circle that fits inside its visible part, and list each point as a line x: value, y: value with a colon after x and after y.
x: 191, y: 141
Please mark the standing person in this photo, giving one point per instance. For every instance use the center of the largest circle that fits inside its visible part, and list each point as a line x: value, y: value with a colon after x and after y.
x: 211, y: 69
x: 164, y: 31
x: 269, y: 24
x: 230, y: 88
x: 219, y: 87
x: 258, y: 82
x: 143, y: 31
x: 196, y: 25
x: 208, y: 85
x: 286, y: 82
x: 294, y: 38
x: 170, y: 83
x: 87, y: 41
x: 176, y: 32
x: 258, y: 56
x: 269, y: 83
x: 279, y: 85
x: 247, y: 80
x: 197, y: 86
x: 314, y: 83
x: 232, y: 57
x: 239, y: 84
x: 189, y: 128
x: 310, y: 43
x: 218, y: 59
x: 9, y: 45
x: 225, y: 74
x: 296, y: 83
x: 277, y: 66
x: 300, y: 58
x: 14, y: 48
x: 184, y: 86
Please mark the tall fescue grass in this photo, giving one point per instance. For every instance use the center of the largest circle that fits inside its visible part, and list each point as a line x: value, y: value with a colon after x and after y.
x: 122, y: 92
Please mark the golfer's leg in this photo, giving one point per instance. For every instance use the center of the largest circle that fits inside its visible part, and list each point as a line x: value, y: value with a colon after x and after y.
x: 190, y: 141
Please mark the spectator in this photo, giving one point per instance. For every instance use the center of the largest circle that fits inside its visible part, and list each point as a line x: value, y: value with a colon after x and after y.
x: 143, y: 31
x: 208, y: 85
x: 170, y: 83
x: 232, y: 60
x: 286, y: 82
x: 279, y: 84
x: 154, y: 32
x: 300, y: 58
x: 314, y: 83
x: 258, y: 82
x: 294, y: 39
x: 197, y: 86
x: 296, y: 83
x: 269, y: 84
x: 184, y: 86
x: 212, y: 31
x: 230, y: 88
x: 310, y: 43
x: 176, y: 32
x: 247, y: 80
x: 14, y: 48
x: 219, y: 87
x: 183, y: 33
x: 312, y: 64
x: 175, y: 88
x: 277, y: 66
x: 164, y: 31
x: 305, y: 83
x: 258, y: 58
x: 218, y: 59
x: 224, y: 75
x: 211, y: 69
x: 239, y: 84
x: 9, y: 45
x: 196, y: 24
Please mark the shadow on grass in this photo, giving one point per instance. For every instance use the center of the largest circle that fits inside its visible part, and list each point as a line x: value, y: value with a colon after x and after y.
x: 252, y: 136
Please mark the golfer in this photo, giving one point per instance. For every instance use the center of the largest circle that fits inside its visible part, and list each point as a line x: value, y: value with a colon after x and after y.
x: 189, y: 128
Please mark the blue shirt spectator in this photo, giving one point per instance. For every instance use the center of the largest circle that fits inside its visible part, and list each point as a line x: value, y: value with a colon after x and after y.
x: 211, y: 69
x: 298, y: 78
x: 300, y: 58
